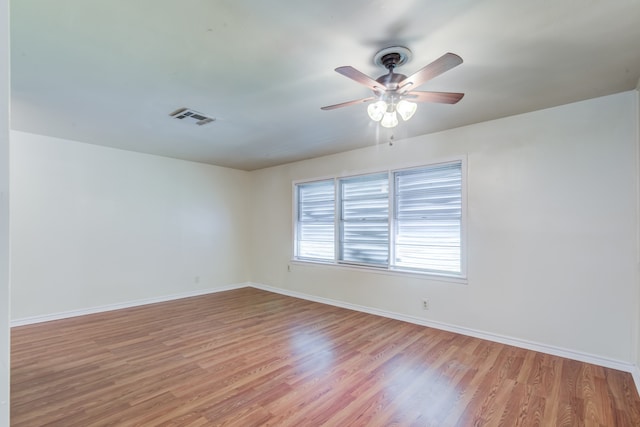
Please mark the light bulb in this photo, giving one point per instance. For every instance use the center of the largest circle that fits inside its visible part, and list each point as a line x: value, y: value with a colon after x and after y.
x: 377, y: 110
x: 406, y: 109
x: 390, y: 119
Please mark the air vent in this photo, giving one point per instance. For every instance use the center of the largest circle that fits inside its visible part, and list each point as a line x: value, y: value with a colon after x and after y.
x: 189, y: 115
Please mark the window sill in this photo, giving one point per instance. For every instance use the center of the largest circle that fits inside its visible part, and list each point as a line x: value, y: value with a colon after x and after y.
x: 381, y: 270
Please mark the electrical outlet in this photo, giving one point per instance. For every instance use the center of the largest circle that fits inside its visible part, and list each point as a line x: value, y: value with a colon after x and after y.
x: 196, y: 279
x: 425, y: 303
x: 289, y: 267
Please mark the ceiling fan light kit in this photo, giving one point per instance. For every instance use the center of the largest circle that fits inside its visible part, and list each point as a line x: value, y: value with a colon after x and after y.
x: 392, y: 91
x: 385, y: 113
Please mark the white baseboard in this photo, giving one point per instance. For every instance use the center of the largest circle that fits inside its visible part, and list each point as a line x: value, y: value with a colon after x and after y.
x: 516, y: 342
x: 117, y: 306
x: 635, y: 373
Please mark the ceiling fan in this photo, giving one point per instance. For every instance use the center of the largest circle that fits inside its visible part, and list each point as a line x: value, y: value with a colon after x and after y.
x: 393, y: 93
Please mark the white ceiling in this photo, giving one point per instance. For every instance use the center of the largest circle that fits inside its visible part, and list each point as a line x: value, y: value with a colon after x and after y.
x: 110, y: 72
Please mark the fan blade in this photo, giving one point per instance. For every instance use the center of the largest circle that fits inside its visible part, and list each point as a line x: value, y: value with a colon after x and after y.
x: 361, y: 78
x: 346, y: 104
x: 441, y: 97
x: 437, y: 67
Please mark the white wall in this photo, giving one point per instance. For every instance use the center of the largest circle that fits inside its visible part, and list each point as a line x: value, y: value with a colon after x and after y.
x: 94, y: 226
x: 637, y: 298
x: 552, y: 225
x: 4, y: 212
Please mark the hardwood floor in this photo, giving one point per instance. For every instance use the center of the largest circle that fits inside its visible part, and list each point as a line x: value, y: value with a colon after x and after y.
x: 250, y: 358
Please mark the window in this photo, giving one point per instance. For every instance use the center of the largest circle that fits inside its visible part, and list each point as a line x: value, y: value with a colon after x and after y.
x: 409, y: 220
x: 364, y: 219
x: 428, y: 218
x: 315, y: 222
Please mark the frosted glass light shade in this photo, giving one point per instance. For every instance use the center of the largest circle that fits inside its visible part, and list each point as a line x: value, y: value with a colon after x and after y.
x: 406, y: 109
x: 376, y: 110
x: 389, y: 120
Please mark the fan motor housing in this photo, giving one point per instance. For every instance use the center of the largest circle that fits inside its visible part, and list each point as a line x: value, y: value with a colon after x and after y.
x: 391, y: 80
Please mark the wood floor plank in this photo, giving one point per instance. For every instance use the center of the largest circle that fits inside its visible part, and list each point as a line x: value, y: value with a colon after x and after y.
x: 251, y: 358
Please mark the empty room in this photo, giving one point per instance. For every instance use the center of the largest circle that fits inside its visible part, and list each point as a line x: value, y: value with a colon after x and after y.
x: 338, y: 213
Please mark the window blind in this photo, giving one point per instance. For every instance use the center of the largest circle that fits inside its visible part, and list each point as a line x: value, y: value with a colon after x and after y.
x: 364, y: 219
x: 402, y: 220
x: 315, y: 220
x: 428, y: 218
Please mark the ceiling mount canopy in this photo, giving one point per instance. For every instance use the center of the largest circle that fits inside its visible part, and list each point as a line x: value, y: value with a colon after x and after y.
x: 393, y: 92
x: 394, y: 56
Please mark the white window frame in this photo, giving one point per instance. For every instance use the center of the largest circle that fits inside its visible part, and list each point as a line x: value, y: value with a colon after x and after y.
x: 389, y: 268
x: 295, y: 222
x: 339, y: 230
